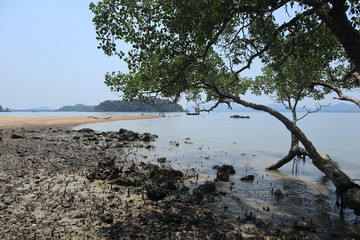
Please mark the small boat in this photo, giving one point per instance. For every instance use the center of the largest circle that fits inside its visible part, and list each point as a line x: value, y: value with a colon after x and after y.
x: 238, y: 116
x: 192, y: 113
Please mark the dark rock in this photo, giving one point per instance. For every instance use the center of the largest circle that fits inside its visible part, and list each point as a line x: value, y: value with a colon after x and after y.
x: 208, y: 188
x: 107, y: 218
x: 146, y: 137
x: 223, y: 172
x: 225, y: 168
x: 303, y: 225
x: 155, y: 192
x: 80, y: 215
x: 16, y: 136
x: 134, y: 179
x: 248, y: 178
x: 105, y: 170
x: 37, y: 137
x: 222, y: 176
x: 122, y: 131
x: 278, y: 193
x: 86, y: 130
x: 161, y: 160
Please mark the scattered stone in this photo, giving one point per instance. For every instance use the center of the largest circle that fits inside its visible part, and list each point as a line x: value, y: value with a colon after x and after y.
x: 303, y: 225
x: 155, y: 192
x: 86, y: 130
x: 248, y: 178
x: 278, y: 194
x: 16, y: 136
x: 45, y: 194
x: 107, y: 218
x: 223, y: 172
x: 208, y: 188
x: 174, y: 143
x: 161, y: 160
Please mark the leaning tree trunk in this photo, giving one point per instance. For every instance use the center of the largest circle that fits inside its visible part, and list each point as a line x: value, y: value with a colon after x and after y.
x: 295, y: 151
x: 347, y: 190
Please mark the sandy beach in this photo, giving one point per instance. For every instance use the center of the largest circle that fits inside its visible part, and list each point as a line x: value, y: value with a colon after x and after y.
x: 36, y: 121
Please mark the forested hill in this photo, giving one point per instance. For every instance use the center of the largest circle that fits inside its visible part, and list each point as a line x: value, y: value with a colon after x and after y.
x: 125, y: 106
x: 77, y: 108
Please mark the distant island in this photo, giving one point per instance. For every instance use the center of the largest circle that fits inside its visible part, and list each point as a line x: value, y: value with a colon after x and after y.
x: 125, y: 106
x: 4, y: 109
x: 77, y: 108
x: 162, y: 105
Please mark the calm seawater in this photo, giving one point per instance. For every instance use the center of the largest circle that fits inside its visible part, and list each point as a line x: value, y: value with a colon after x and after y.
x: 250, y: 145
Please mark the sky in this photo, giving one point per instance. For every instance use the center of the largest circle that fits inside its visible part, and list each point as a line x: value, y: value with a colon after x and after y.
x: 49, y: 56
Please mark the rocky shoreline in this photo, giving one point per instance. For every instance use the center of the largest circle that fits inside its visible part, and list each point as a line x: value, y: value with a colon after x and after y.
x: 57, y: 183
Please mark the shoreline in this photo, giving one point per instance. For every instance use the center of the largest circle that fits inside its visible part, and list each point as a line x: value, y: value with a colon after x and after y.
x: 14, y: 122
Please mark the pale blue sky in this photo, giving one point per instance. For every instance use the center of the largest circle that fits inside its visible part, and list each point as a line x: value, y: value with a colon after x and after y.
x: 49, y: 56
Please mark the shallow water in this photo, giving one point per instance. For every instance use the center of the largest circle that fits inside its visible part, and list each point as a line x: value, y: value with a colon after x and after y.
x: 250, y: 145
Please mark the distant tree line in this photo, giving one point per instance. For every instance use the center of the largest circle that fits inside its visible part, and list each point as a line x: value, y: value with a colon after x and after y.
x: 160, y: 105
x: 77, y: 108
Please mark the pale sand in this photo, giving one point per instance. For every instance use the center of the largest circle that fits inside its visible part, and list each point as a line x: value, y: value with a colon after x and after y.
x: 38, y: 121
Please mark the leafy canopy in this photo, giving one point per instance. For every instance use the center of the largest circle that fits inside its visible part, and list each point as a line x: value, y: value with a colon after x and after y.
x: 204, y: 45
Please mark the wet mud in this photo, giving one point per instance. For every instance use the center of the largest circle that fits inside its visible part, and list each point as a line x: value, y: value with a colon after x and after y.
x: 57, y: 183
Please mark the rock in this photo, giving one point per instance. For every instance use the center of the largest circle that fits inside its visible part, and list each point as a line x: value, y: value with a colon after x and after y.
x: 223, y: 172
x: 278, y: 193
x: 222, y: 176
x: 161, y: 160
x: 155, y: 192
x: 122, y: 131
x: 248, y: 178
x: 16, y: 136
x: 86, y: 130
x: 227, y: 168
x: 174, y: 143
x: 208, y: 188
x: 303, y: 225
x: 105, y: 170
x: 146, y: 138
x: 107, y: 218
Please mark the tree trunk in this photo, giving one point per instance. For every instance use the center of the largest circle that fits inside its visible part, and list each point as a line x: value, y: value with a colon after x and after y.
x: 337, y: 21
x: 290, y: 156
x: 346, y: 189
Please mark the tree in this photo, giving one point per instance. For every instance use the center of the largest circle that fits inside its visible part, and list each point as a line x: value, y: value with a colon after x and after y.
x: 204, y: 46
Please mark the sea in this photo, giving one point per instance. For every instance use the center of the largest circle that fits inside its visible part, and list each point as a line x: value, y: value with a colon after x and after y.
x: 196, y: 143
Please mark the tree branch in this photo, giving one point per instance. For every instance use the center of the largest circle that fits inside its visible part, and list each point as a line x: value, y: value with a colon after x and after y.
x: 338, y: 91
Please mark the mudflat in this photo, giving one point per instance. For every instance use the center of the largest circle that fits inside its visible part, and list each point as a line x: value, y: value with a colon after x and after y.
x: 36, y: 121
